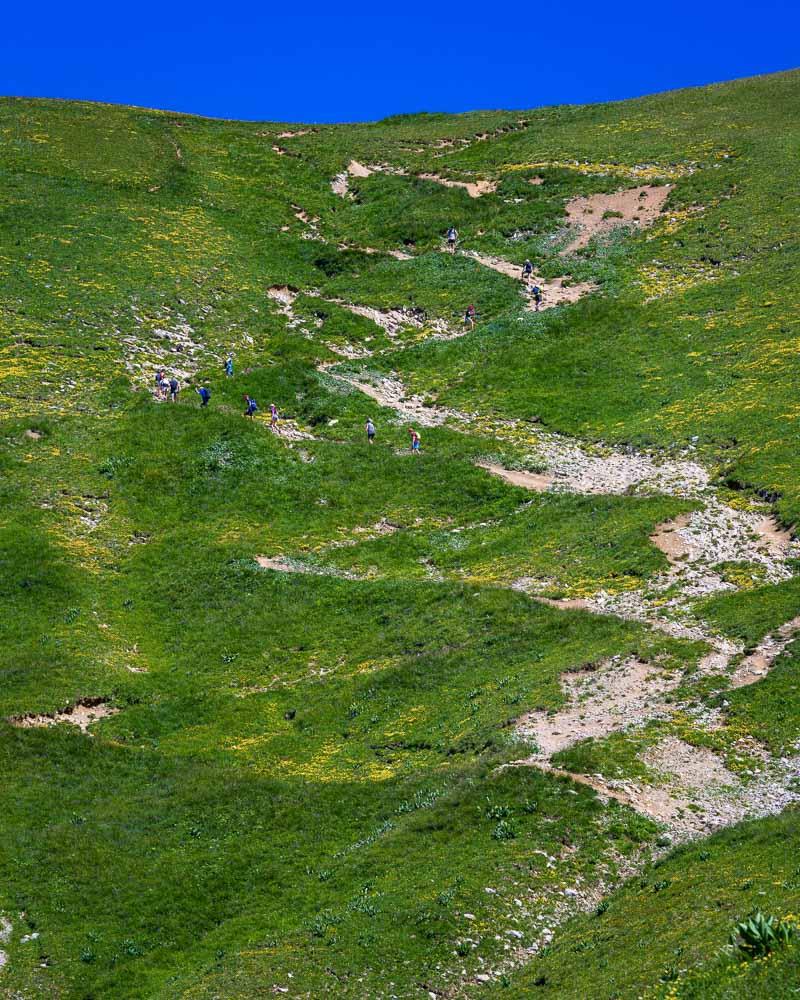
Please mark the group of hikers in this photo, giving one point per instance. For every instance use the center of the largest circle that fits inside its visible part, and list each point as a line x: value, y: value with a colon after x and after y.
x: 532, y: 285
x: 168, y: 388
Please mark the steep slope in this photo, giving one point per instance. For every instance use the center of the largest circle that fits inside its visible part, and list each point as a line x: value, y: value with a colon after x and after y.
x: 289, y: 713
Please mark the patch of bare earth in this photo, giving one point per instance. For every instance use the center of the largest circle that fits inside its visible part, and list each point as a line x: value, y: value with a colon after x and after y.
x: 284, y: 297
x: 555, y: 291
x: 599, y: 702
x: 529, y: 480
x: 284, y: 564
x: 82, y: 714
x: 668, y: 539
x: 6, y: 929
x: 475, y: 189
x: 392, y: 393
x: 340, y: 185
x: 697, y: 794
x: 599, y: 214
x: 394, y: 321
x: 756, y: 665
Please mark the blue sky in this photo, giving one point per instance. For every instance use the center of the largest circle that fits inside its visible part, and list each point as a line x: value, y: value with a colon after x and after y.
x: 308, y: 62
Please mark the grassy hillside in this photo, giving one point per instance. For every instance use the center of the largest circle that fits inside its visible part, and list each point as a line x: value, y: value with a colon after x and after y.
x: 307, y: 775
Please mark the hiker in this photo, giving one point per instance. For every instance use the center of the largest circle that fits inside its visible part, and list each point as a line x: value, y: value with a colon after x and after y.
x: 159, y: 380
x: 370, y: 429
x: 469, y: 317
x: 273, y: 417
x: 174, y: 389
x: 536, y: 294
x: 229, y: 366
x: 205, y: 394
x: 415, y: 442
x: 452, y: 238
x: 527, y: 271
x: 251, y: 405
x: 164, y: 386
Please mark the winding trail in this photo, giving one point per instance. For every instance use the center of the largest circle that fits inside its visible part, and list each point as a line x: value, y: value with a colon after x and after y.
x: 622, y: 694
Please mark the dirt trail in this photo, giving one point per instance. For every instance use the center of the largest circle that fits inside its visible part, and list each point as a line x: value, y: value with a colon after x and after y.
x: 600, y: 214
x: 623, y: 693
x: 757, y: 664
x: 555, y: 291
x: 529, y: 480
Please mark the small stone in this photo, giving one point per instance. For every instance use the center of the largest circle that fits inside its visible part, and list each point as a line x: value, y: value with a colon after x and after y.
x: 483, y: 978
x: 515, y: 934
x: 468, y: 916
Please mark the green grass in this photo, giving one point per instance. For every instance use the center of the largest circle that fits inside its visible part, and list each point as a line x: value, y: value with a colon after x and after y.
x: 305, y: 784
x: 752, y: 614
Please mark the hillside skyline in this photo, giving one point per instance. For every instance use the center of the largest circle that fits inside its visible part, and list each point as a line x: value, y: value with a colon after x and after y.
x: 314, y: 66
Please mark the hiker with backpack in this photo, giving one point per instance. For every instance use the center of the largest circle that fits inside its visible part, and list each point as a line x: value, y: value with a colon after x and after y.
x: 205, y: 394
x: 469, y: 317
x: 273, y: 417
x: 527, y: 272
x: 158, y: 380
x: 537, y: 296
x: 370, y: 429
x: 229, y: 366
x: 174, y: 389
x: 452, y: 239
x: 415, y: 441
x: 251, y: 405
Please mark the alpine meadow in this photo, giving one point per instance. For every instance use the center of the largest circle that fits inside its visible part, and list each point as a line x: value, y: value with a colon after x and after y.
x: 499, y: 698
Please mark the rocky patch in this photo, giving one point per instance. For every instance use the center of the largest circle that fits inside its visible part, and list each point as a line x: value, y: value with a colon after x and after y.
x: 82, y: 714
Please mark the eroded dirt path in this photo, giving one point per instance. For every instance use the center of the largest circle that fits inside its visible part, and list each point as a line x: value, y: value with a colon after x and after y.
x: 619, y: 694
x: 555, y: 291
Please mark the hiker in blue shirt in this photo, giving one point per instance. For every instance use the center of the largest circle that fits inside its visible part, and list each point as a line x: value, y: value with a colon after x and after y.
x: 204, y: 393
x: 229, y: 366
x: 251, y: 405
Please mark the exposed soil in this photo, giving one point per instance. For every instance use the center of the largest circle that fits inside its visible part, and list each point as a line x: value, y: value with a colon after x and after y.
x: 555, y: 291
x: 668, y: 539
x: 356, y: 169
x: 639, y: 206
x: 600, y: 701
x: 475, y: 189
x: 6, y: 929
x: 757, y: 664
x: 82, y: 714
x: 530, y: 480
x: 285, y: 298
